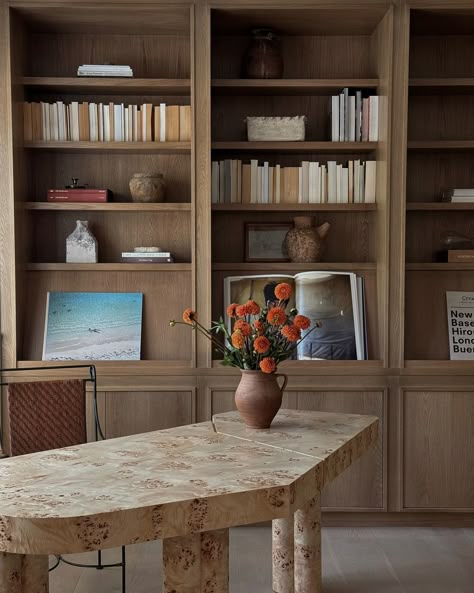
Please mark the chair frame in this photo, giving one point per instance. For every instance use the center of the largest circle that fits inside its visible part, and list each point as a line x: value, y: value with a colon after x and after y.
x: 98, y: 434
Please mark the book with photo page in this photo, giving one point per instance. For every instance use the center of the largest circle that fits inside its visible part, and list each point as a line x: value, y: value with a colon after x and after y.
x: 334, y: 299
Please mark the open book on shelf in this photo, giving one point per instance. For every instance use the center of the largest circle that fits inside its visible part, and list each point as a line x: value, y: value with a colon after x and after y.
x: 334, y: 299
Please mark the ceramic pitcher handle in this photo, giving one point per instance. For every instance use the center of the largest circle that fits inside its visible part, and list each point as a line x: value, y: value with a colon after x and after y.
x: 285, y: 380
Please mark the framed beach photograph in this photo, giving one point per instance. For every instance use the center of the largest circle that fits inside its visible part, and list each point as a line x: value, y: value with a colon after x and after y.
x: 93, y: 326
x: 264, y: 242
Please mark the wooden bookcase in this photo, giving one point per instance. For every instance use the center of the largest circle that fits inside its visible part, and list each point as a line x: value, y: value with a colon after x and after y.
x: 417, y: 55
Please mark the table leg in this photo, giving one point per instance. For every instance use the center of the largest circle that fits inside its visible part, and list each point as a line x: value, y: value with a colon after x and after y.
x: 23, y: 574
x: 283, y: 555
x: 308, y: 548
x: 197, y: 564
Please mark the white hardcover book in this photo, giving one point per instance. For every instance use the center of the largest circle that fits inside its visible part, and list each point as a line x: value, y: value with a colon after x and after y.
x: 117, y: 123
x: 332, y: 182
x: 300, y: 185
x: 130, y: 123
x: 47, y: 114
x: 100, y: 122
x: 126, y: 125
x: 135, y: 123
x: 93, y: 131
x: 260, y: 184
x: 370, y: 182
x: 346, y: 114
x: 358, y: 127
x: 352, y: 119
x: 304, y: 182
x: 74, y: 114
x: 124, y: 122
x: 144, y: 122
x: 341, y: 117
x: 162, y: 122
x: 61, y: 121
x: 324, y: 184
x: 215, y: 182
x: 106, y: 123
x: 271, y: 189
x: 373, y: 118
x: 54, y: 121
x: 277, y: 184
x: 338, y: 184
x: 317, y: 183
x: 265, y: 184
x: 68, y: 122
x: 254, y: 181
x: 361, y: 182
x: 356, y: 181
x: 350, y: 166
x: 335, y: 118
x: 311, y: 183
x: 345, y: 186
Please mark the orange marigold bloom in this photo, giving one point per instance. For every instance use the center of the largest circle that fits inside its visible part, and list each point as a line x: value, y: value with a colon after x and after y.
x: 259, y: 326
x: 252, y: 307
x: 261, y: 344
x: 244, y: 327
x: 301, y: 322
x: 283, y: 291
x: 189, y: 316
x: 231, y: 309
x: 291, y: 333
x: 267, y: 365
x: 237, y: 339
x: 276, y: 316
x: 241, y: 310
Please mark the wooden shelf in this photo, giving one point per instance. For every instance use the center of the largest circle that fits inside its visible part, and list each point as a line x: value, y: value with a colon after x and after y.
x: 443, y: 206
x: 113, y: 368
x: 439, y: 367
x: 298, y: 147
x: 289, y: 86
x: 118, y: 147
x: 441, y: 145
x: 316, y: 367
x: 112, y: 267
x: 294, y: 267
x: 441, y: 266
x: 293, y: 207
x: 108, y: 86
x: 110, y: 206
x: 451, y: 86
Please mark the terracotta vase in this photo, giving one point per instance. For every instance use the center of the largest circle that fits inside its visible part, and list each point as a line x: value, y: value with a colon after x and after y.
x: 258, y: 397
x: 305, y: 242
x: 263, y: 58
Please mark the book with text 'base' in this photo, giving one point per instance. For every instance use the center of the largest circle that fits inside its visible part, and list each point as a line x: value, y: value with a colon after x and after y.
x: 460, y: 325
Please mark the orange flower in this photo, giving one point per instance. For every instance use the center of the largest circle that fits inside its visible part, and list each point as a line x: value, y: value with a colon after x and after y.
x: 231, y: 309
x: 259, y: 326
x: 268, y: 365
x: 291, y: 333
x: 238, y: 340
x: 241, y: 310
x: 301, y: 322
x: 189, y: 316
x: 252, y: 307
x: 244, y: 327
x: 283, y: 291
x: 261, y: 345
x: 276, y: 316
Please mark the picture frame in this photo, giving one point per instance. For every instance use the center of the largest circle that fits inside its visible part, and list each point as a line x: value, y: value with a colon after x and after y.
x: 264, y: 242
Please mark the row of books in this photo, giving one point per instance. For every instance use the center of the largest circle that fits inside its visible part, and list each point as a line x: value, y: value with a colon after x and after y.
x: 354, y: 118
x: 312, y: 183
x: 106, y: 122
x: 105, y: 70
x: 458, y: 195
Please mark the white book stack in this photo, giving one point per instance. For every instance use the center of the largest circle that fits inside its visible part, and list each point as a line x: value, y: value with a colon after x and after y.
x: 459, y: 196
x: 111, y: 70
x: 352, y: 118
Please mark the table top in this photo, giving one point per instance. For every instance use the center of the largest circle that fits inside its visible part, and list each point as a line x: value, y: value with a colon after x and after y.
x: 166, y: 483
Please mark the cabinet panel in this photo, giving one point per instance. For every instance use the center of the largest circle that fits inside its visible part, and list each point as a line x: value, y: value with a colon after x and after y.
x: 133, y: 412
x: 438, y: 449
x: 362, y: 484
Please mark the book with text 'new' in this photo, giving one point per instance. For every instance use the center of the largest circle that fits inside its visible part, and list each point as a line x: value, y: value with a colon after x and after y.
x: 460, y: 325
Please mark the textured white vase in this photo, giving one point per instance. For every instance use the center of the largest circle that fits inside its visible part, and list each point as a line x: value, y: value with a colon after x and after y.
x: 81, y: 245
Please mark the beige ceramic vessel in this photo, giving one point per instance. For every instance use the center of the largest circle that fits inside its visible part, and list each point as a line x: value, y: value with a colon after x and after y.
x: 147, y: 187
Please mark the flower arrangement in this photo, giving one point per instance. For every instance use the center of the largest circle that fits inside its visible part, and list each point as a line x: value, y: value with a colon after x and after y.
x: 260, y: 338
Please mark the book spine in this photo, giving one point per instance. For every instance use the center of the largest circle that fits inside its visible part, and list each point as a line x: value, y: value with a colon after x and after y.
x: 146, y: 254
x: 373, y: 118
x: 162, y: 122
x: 147, y: 260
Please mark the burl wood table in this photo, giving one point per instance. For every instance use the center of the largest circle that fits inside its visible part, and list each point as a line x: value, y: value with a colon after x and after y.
x: 185, y: 485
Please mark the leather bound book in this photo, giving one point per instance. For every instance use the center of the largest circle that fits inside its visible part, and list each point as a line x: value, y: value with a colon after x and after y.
x: 79, y: 195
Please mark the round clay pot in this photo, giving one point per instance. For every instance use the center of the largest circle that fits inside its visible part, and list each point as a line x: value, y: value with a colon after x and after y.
x: 147, y: 187
x: 258, y: 397
x: 263, y: 58
x: 305, y: 242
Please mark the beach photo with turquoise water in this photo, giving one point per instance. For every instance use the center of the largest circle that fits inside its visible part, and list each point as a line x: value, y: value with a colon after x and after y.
x: 93, y: 326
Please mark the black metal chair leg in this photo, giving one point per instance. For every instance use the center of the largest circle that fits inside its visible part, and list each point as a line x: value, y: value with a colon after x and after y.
x: 124, y: 573
x: 99, y: 560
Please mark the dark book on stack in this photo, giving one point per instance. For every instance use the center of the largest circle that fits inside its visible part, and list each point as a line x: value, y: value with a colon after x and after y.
x: 79, y: 195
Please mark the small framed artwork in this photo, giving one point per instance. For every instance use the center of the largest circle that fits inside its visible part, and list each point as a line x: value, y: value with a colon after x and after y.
x: 264, y: 242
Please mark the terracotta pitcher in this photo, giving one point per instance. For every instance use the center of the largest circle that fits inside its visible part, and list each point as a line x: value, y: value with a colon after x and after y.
x: 305, y: 242
x: 258, y: 397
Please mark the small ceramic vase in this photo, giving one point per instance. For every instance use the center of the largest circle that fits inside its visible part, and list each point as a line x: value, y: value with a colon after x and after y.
x: 305, y: 242
x: 81, y: 245
x: 258, y: 397
x: 147, y: 187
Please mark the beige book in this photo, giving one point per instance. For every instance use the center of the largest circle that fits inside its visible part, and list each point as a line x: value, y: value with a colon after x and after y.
x: 239, y: 181
x: 147, y: 121
x: 350, y: 166
x: 290, y: 192
x: 112, y: 120
x: 246, y: 184
x: 27, y: 122
x: 172, y: 123
x: 370, y: 182
x: 233, y: 182
x: 271, y: 187
x: 36, y: 124
x: 84, y: 121
x: 277, y: 183
x: 157, y: 122
x: 139, y: 125
x: 185, y: 123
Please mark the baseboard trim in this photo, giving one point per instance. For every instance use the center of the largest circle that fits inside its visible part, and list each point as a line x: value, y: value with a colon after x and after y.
x: 425, y: 519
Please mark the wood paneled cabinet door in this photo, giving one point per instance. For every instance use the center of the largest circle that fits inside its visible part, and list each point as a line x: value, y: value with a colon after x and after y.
x: 438, y: 450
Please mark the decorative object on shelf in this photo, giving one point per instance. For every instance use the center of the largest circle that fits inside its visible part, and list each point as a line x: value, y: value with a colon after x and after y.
x: 259, y: 340
x: 109, y: 70
x: 147, y: 187
x: 275, y: 129
x: 147, y: 255
x: 305, y: 242
x: 263, y: 57
x: 456, y: 248
x: 97, y: 326
x: 264, y: 242
x: 81, y: 245
x: 78, y: 193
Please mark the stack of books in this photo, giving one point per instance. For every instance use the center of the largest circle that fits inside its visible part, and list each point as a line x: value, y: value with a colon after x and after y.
x: 354, y: 118
x: 104, y: 70
x: 312, y: 183
x: 107, y: 122
x: 147, y: 257
x: 459, y: 196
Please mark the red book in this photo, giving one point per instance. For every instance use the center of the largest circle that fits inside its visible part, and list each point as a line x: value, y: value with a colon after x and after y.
x: 78, y: 195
